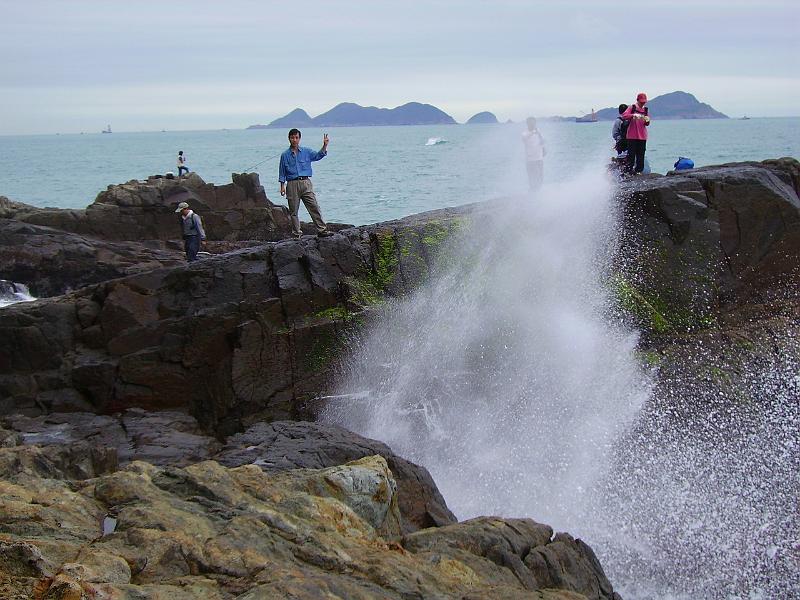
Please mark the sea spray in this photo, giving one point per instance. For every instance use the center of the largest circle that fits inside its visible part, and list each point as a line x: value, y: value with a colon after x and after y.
x: 11, y: 293
x: 702, y: 499
x: 511, y: 376
x: 503, y: 374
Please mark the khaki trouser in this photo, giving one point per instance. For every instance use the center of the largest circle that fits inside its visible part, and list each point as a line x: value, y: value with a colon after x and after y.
x: 302, y: 189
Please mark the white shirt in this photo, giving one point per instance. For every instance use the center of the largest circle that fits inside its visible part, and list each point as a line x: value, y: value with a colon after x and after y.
x: 534, y: 145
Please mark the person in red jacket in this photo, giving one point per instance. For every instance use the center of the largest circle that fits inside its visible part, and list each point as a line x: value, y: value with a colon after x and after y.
x: 639, y: 118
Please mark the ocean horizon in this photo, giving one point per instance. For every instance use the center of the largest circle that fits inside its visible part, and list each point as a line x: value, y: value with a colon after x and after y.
x: 372, y: 173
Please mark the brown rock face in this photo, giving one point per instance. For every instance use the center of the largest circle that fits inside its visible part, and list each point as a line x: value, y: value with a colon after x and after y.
x: 79, y: 445
x: 283, y: 445
x: 206, y: 531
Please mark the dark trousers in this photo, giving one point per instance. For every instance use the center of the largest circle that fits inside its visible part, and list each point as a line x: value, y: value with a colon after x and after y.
x: 182, y: 169
x: 636, y: 150
x: 191, y: 244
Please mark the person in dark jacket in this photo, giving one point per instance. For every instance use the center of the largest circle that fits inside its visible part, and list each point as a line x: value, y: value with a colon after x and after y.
x: 619, y: 131
x: 192, y: 230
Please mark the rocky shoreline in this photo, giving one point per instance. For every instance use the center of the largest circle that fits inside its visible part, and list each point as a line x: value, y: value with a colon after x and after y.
x: 177, y: 401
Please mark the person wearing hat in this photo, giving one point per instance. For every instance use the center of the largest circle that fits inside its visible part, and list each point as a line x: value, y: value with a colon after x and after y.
x: 192, y: 229
x: 639, y: 120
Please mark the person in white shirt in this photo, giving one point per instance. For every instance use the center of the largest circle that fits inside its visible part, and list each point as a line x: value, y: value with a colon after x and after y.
x: 534, y: 154
x: 182, y: 164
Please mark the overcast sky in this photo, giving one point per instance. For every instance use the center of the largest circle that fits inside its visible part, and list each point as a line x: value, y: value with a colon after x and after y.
x: 76, y: 65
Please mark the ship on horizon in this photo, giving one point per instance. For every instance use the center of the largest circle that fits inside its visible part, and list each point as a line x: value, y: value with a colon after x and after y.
x: 590, y: 118
x: 107, y: 129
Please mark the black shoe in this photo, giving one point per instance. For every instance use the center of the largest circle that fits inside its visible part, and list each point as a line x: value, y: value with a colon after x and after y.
x: 325, y: 233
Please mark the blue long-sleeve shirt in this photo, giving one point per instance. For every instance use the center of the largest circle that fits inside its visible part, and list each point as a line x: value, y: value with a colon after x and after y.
x: 297, y: 165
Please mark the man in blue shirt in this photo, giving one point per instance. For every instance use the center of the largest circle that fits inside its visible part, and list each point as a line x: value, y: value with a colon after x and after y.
x: 294, y: 175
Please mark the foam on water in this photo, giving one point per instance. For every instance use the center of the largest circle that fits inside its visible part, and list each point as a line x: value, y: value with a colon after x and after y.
x: 511, y: 378
x: 11, y: 293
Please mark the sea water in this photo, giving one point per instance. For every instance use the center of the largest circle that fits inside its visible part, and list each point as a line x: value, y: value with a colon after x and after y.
x: 371, y: 174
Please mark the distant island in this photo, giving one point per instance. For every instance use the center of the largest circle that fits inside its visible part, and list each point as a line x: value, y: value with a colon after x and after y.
x: 482, y: 117
x: 348, y: 114
x: 675, y: 105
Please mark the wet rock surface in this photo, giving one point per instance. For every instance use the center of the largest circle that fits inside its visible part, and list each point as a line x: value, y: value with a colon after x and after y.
x: 703, y: 242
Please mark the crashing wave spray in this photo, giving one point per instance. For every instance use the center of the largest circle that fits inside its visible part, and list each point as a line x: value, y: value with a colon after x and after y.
x: 702, y: 501
x: 11, y: 293
x: 508, y: 376
x: 503, y: 375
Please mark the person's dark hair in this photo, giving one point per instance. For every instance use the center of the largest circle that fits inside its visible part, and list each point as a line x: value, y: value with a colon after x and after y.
x: 623, y: 108
x: 293, y: 131
x: 180, y: 151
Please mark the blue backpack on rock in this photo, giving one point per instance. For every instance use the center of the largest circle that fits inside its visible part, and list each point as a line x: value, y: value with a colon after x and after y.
x: 683, y: 163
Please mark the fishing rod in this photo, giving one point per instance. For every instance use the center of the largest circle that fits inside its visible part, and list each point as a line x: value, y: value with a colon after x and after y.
x: 248, y: 169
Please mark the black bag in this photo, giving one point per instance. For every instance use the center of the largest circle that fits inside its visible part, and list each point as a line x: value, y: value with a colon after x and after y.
x: 622, y: 143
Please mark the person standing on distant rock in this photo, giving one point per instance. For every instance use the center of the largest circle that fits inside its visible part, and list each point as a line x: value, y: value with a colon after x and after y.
x: 182, y: 164
x: 534, y: 155
x: 294, y: 175
x: 192, y: 229
x: 639, y: 120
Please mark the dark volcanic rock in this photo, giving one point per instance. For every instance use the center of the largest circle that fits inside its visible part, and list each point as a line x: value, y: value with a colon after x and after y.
x: 233, y: 339
x: 708, y: 240
x: 160, y: 438
x: 52, y: 262
x: 145, y: 210
x: 255, y: 334
x: 285, y: 445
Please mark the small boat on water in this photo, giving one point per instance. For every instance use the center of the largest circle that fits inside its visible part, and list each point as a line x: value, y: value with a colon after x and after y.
x: 590, y: 118
x: 107, y: 129
x: 745, y: 118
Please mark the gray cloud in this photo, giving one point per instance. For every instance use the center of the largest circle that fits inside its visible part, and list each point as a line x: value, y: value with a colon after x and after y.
x: 209, y: 64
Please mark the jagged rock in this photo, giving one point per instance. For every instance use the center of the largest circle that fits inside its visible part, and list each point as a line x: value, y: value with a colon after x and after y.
x: 232, y: 339
x: 160, y: 438
x: 286, y: 445
x: 254, y: 334
x: 82, y: 445
x: 52, y: 262
x: 145, y: 210
x: 708, y: 240
x: 212, y: 532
